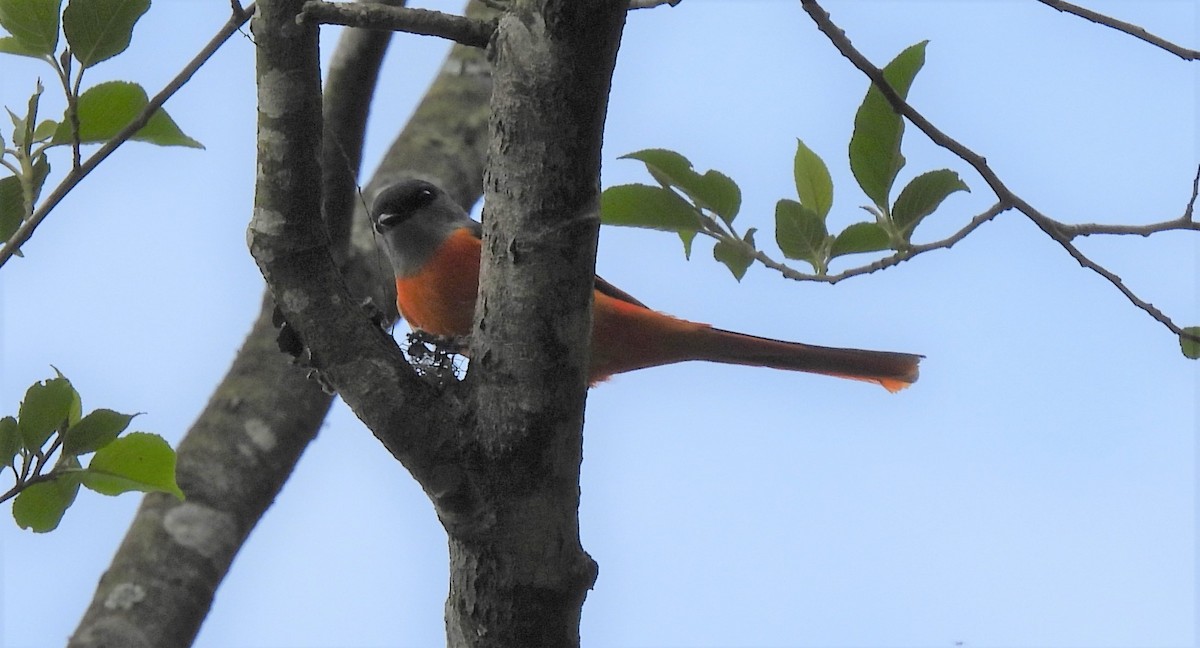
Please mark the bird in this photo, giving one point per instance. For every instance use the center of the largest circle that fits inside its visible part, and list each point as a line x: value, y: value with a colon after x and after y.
x: 434, y: 247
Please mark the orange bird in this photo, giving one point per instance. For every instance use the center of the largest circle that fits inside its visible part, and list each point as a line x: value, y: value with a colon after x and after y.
x: 434, y: 247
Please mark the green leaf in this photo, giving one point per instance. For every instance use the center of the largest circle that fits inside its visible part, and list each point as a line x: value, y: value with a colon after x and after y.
x: 737, y: 257
x: 33, y: 25
x: 45, y: 408
x: 45, y: 130
x: 800, y: 233
x: 106, y: 108
x: 10, y: 441
x: 687, y: 237
x: 41, y: 169
x: 163, y: 131
x: 40, y: 507
x: 813, y: 184
x: 638, y: 205
x: 714, y: 190
x: 101, y: 29
x: 75, y: 412
x: 875, y: 157
x: 1190, y: 347
x: 12, y: 206
x: 18, y: 127
x: 94, y: 431
x: 135, y: 462
x: 860, y: 237
x: 922, y: 196
x: 10, y: 45
x: 23, y: 127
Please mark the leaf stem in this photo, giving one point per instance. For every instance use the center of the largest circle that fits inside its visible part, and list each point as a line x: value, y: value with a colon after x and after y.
x: 1052, y: 228
x: 77, y: 174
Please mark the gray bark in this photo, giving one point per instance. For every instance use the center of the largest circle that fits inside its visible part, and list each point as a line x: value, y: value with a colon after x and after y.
x: 499, y: 453
x: 244, y: 445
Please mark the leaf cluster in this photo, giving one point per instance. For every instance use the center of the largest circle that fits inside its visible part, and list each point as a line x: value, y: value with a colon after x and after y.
x: 689, y: 203
x: 50, y: 423
x: 94, y: 31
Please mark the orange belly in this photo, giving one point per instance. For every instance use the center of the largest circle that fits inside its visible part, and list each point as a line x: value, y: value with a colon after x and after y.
x: 440, y: 299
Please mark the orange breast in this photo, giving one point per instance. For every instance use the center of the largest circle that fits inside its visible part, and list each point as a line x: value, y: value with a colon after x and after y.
x: 440, y: 299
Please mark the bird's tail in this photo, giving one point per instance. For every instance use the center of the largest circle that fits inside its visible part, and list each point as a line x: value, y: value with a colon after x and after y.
x: 893, y: 371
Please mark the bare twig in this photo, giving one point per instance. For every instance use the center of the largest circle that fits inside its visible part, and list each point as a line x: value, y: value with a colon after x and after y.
x: 244, y: 13
x: 467, y: 31
x: 78, y: 173
x: 1188, y: 214
x: 1090, y: 229
x: 1133, y: 30
x: 1184, y: 222
x: 1054, y: 229
x: 894, y: 259
x: 650, y: 4
x: 18, y: 488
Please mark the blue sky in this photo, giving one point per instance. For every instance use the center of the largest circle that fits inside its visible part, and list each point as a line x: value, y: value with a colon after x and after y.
x: 1037, y: 487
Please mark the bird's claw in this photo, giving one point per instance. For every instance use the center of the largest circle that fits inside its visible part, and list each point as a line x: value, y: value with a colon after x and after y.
x: 434, y: 356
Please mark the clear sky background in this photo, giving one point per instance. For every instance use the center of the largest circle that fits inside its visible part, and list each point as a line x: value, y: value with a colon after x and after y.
x: 1037, y: 487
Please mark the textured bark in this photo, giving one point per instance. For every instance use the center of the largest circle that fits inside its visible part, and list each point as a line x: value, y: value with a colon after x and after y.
x: 518, y: 572
x: 243, y: 446
x: 498, y: 454
x: 161, y: 582
x: 353, y: 72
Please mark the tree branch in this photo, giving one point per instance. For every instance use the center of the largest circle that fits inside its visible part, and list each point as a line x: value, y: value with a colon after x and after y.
x: 353, y: 73
x: 79, y: 172
x: 240, y: 451
x: 1090, y: 229
x: 425, y: 22
x: 892, y: 260
x: 1051, y: 227
x: 1184, y: 222
x: 650, y: 4
x: 523, y: 583
x: 1133, y: 30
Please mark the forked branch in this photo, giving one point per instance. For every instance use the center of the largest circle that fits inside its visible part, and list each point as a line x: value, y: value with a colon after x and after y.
x: 77, y: 173
x: 425, y: 22
x: 1121, y: 26
x: 1059, y: 232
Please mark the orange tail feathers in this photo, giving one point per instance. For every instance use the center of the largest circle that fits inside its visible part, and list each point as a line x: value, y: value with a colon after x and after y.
x: 892, y: 371
x: 628, y: 336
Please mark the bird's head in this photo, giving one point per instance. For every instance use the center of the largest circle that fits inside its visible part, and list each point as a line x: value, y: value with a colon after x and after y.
x: 413, y: 217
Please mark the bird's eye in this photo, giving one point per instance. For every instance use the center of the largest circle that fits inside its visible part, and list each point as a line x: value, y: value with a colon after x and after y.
x: 386, y: 221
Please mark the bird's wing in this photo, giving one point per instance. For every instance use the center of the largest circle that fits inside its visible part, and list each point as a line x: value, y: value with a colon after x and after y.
x: 616, y: 293
x: 601, y: 285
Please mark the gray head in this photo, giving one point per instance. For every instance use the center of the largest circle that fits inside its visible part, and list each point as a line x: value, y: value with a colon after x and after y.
x: 413, y: 217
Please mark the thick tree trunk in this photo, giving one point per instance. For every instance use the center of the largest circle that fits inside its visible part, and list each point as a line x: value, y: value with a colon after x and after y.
x: 161, y: 582
x: 498, y: 455
x: 518, y: 572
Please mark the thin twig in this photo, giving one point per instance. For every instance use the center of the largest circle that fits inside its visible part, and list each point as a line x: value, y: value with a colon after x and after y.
x: 467, y: 31
x: 77, y: 174
x: 1188, y: 214
x: 894, y: 259
x: 650, y: 4
x: 1089, y: 229
x: 1184, y: 222
x: 1051, y: 227
x: 1121, y: 26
